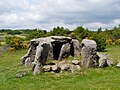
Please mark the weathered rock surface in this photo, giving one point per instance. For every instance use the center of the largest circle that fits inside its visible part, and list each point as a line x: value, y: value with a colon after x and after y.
x: 110, y: 62
x: 19, y: 75
x: 103, y: 61
x: 77, y: 47
x: 47, y: 68
x: 28, y: 62
x: 89, y: 43
x: 55, y: 68
x: 78, y: 67
x: 72, y: 68
x: 75, y: 62
x: 118, y: 65
x: 89, y: 55
x: 65, y: 51
x: 64, y: 67
x: 37, y: 69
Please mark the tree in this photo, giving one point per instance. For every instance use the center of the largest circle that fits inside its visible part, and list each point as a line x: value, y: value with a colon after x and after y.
x: 60, y: 31
x: 99, y: 30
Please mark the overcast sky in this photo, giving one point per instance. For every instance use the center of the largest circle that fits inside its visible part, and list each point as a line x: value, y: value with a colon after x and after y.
x: 46, y: 14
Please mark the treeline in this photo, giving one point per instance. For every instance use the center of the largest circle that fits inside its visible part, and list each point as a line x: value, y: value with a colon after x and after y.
x: 102, y: 37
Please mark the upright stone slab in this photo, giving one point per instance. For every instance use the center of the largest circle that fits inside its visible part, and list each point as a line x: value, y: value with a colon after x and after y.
x: 89, y: 54
x: 65, y: 51
x: 77, y: 47
x: 90, y: 43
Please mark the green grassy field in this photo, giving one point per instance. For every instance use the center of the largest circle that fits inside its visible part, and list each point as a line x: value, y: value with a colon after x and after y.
x: 91, y: 79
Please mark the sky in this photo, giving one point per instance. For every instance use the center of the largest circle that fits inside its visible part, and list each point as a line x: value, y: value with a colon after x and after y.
x: 47, y: 14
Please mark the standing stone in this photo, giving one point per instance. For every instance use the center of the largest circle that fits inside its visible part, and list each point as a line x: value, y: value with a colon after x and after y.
x: 89, y: 43
x: 89, y: 57
x: 65, y: 51
x: 77, y: 47
x: 42, y: 53
x: 28, y: 62
x: 37, y: 69
x: 31, y: 53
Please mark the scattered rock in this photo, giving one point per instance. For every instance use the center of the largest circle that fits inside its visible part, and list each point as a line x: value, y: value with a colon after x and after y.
x: 47, y: 68
x: 64, y: 67
x: 55, y: 68
x: 118, y: 65
x: 72, y: 68
x: 103, y: 61
x: 19, y: 75
x: 78, y: 67
x: 76, y: 62
x: 110, y: 62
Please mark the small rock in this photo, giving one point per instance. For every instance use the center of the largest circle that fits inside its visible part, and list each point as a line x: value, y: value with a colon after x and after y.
x: 64, y: 66
x: 103, y: 60
x: 103, y: 63
x: 110, y: 62
x: 54, y: 67
x: 47, y: 68
x: 18, y: 75
x: 78, y: 67
x: 72, y: 68
x: 118, y: 65
x: 76, y: 62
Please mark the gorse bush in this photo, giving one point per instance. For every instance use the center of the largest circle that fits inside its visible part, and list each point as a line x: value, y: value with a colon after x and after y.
x: 109, y: 41
x: 15, y: 42
x: 117, y: 42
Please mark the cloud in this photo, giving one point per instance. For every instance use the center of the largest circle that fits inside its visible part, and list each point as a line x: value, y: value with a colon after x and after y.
x: 95, y: 25
x: 46, y: 14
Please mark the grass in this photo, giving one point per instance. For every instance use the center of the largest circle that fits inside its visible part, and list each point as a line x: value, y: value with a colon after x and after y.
x: 91, y: 79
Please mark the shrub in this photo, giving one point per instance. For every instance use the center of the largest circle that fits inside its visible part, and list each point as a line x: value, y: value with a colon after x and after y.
x: 15, y: 42
x: 109, y: 41
x: 117, y: 42
x: 101, y: 42
x: 10, y: 49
